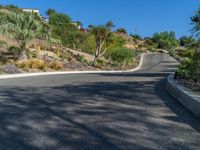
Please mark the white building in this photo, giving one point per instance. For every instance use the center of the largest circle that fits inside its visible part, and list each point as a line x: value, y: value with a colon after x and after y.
x: 45, y: 19
x: 31, y: 10
x: 77, y: 25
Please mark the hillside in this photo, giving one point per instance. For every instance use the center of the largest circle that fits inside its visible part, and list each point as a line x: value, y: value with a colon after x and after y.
x: 30, y: 44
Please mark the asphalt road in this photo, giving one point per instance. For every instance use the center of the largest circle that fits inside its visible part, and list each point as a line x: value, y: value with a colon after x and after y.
x: 116, y: 111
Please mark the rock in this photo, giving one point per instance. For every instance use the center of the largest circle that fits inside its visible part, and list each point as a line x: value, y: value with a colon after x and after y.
x: 23, y: 56
x: 11, y: 69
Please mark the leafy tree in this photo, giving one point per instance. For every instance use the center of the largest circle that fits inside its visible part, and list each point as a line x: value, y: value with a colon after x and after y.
x: 23, y: 28
x: 122, y: 56
x: 88, y: 43
x: 90, y: 26
x: 59, y: 19
x: 121, y: 30
x: 136, y: 36
x: 104, y: 39
x: 118, y: 42
x: 165, y: 40
x: 147, y: 38
x: 79, y: 23
x: 62, y: 27
x: 75, y: 38
x: 150, y: 45
x: 63, y: 33
x: 50, y: 11
x: 186, y: 41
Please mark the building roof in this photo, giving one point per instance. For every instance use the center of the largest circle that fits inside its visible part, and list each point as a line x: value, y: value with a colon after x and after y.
x: 30, y: 8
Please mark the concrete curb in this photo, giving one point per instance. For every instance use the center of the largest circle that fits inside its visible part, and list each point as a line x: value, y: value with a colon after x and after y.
x: 69, y: 72
x: 185, y: 96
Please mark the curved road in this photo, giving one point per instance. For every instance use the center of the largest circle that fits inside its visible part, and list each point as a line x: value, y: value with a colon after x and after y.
x: 110, y: 111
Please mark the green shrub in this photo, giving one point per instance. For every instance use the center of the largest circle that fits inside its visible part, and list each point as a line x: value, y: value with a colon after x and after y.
x: 100, y: 63
x: 2, y: 44
x: 15, y: 51
x: 64, y: 56
x: 31, y: 54
x: 190, y: 68
x: 152, y: 49
x: 184, y: 70
x: 122, y: 56
x: 81, y: 58
x: 2, y: 59
x: 186, y: 53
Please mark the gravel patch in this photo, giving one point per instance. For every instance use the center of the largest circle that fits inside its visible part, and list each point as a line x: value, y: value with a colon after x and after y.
x: 10, y: 69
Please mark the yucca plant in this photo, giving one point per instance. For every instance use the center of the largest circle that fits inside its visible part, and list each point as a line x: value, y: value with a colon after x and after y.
x: 103, y: 37
x: 22, y: 27
x: 196, y: 24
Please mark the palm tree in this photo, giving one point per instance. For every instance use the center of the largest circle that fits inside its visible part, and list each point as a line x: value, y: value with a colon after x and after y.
x: 23, y: 27
x: 110, y: 24
x: 50, y: 11
x: 121, y: 31
x: 90, y: 26
x: 103, y: 37
x: 196, y: 25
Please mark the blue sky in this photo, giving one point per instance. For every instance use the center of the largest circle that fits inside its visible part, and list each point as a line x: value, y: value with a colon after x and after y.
x: 143, y: 17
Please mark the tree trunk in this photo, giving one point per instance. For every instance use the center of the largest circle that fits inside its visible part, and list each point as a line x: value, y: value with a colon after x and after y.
x: 23, y: 55
x: 97, y: 53
x: 74, y: 46
x: 23, y: 45
x: 96, y: 57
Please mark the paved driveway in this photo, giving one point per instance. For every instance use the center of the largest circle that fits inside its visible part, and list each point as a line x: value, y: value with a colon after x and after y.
x: 117, y: 111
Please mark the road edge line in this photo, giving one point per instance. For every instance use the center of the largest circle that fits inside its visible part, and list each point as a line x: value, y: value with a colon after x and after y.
x: 10, y: 76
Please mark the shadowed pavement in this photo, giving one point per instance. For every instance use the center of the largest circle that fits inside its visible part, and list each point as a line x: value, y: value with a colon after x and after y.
x: 112, y: 111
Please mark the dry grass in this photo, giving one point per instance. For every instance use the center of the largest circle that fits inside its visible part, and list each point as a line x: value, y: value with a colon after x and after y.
x: 55, y: 65
x: 32, y: 64
x: 36, y: 64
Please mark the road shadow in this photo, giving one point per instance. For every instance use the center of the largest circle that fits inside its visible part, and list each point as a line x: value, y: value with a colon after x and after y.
x: 183, y: 115
x: 136, y: 74
x: 99, y: 115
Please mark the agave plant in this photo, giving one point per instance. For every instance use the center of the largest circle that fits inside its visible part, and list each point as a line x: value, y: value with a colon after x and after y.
x: 23, y: 27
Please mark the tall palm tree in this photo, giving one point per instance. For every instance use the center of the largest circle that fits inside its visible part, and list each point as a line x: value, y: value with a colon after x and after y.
x: 23, y: 27
x: 110, y: 24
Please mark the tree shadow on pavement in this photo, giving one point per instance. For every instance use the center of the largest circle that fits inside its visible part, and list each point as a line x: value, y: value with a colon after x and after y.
x: 92, y: 116
x: 183, y: 115
x: 136, y: 74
